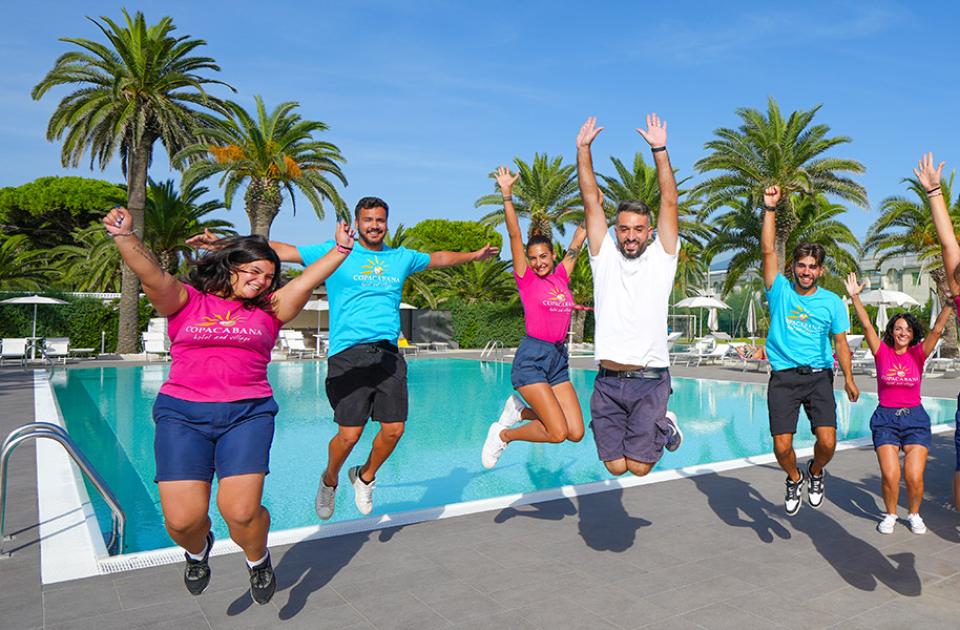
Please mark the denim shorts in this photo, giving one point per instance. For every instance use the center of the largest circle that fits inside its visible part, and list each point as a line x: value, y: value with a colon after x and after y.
x: 194, y: 440
x: 900, y: 427
x: 539, y: 361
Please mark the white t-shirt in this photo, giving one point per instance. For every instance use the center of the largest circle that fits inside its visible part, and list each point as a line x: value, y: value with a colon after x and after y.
x: 631, y: 299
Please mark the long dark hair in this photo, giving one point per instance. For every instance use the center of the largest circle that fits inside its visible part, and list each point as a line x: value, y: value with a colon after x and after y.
x: 912, y: 322
x: 211, y: 272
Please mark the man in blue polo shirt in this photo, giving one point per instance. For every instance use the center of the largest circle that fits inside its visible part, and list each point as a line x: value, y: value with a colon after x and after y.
x: 366, y: 373
x: 803, y: 318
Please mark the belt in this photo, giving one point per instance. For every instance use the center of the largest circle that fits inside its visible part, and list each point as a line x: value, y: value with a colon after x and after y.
x: 804, y: 370
x: 650, y: 372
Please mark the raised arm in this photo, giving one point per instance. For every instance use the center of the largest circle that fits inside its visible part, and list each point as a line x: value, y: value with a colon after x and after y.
x: 570, y: 259
x: 929, y: 178
x: 869, y: 332
x: 930, y: 341
x: 440, y: 260
x: 594, y: 218
x: 768, y: 235
x: 668, y: 227
x: 166, y: 293
x: 208, y: 241
x: 290, y: 299
x: 506, y: 180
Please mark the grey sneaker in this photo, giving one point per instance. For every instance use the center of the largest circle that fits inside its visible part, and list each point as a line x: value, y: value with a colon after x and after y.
x: 326, y: 499
x: 793, y: 498
x: 676, y: 435
x: 362, y: 491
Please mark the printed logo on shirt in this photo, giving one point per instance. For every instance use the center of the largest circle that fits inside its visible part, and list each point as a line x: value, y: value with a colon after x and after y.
x: 899, y: 374
x: 557, y: 301
x: 226, y: 326
x: 374, y: 273
x: 228, y: 320
x: 799, y: 320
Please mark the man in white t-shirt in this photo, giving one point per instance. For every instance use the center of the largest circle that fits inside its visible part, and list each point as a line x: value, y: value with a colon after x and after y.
x: 632, y: 279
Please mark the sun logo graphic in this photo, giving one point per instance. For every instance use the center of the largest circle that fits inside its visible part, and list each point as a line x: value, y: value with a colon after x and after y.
x: 557, y: 295
x: 798, y: 314
x: 898, y: 370
x: 226, y: 320
x: 374, y: 267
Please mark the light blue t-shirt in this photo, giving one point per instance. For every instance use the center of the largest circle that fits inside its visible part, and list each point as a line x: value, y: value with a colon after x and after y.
x: 801, y: 326
x: 364, y: 292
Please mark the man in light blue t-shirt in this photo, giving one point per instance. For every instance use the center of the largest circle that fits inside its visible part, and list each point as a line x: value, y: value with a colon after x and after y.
x: 803, y: 319
x: 366, y: 373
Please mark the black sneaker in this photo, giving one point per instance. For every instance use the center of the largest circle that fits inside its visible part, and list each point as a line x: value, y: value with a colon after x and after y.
x: 196, y: 575
x: 262, y: 582
x: 815, y: 489
x: 793, y: 499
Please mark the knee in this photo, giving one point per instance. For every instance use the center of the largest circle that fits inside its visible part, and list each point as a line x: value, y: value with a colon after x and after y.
x: 575, y: 435
x: 639, y: 469
x: 182, y: 524
x: 392, y: 432
x: 782, y: 446
x: 347, y: 439
x: 556, y: 436
x: 241, y: 514
x: 617, y: 467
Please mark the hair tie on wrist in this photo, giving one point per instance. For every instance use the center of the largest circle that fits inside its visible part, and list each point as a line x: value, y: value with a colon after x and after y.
x: 121, y: 234
x: 344, y: 250
x: 658, y: 149
x: 937, y: 187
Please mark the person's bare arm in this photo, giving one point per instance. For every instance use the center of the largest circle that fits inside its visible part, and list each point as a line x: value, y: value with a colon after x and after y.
x: 854, y: 288
x: 208, y: 241
x: 594, y: 218
x: 441, y: 260
x: 668, y: 226
x: 166, y: 293
x: 930, y: 178
x: 930, y: 341
x: 768, y: 235
x: 845, y: 359
x: 570, y: 259
x: 506, y: 180
x: 290, y: 299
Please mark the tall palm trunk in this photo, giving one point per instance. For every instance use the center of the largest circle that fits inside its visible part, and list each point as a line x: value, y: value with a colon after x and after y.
x: 137, y: 163
x: 949, y: 347
x: 262, y: 201
x: 577, y: 324
x: 168, y: 260
x: 787, y: 221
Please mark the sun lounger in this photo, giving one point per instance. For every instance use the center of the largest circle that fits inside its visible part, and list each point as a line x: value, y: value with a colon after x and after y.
x: 13, y: 348
x: 155, y: 343
x: 56, y: 348
x: 715, y: 356
x: 695, y: 353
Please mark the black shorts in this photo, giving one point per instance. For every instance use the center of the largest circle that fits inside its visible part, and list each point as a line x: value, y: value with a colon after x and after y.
x: 368, y: 380
x: 788, y: 389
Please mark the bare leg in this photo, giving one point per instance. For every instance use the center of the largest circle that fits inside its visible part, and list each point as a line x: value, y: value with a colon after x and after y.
x: 824, y: 448
x: 786, y: 456
x: 914, y: 465
x: 383, y: 445
x: 239, y: 499
x: 639, y: 468
x: 340, y: 447
x: 550, y: 425
x: 889, y: 457
x: 570, y: 404
x: 185, y: 505
x: 617, y: 466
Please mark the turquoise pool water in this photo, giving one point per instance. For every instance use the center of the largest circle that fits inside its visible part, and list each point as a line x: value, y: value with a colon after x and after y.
x: 452, y: 402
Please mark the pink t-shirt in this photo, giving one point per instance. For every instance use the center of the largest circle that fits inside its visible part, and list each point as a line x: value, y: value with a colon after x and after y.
x: 546, y: 304
x: 220, y: 350
x: 898, y: 376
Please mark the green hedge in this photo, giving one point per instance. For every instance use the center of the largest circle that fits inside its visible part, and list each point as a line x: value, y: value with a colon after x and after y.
x: 81, y: 320
x: 476, y: 324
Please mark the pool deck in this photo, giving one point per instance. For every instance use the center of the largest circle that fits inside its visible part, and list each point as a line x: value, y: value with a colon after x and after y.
x: 712, y: 551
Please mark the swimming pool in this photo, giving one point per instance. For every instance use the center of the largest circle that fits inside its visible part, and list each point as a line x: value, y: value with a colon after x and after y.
x: 452, y: 401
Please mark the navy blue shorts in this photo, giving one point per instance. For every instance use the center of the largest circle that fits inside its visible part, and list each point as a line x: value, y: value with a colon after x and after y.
x: 539, y: 361
x: 900, y: 427
x: 629, y: 417
x: 194, y: 440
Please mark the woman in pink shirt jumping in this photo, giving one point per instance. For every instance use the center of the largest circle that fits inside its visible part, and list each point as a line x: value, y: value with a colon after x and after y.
x: 539, y: 371
x: 900, y: 421
x: 215, y: 412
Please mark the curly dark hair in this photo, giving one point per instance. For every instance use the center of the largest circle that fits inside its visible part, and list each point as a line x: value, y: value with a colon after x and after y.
x: 211, y: 272
x: 912, y: 322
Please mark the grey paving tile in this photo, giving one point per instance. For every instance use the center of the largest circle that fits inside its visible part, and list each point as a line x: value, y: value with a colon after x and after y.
x: 20, y: 609
x: 386, y: 583
x: 538, y: 586
x: 851, y: 600
x: 337, y: 617
x: 185, y: 615
x: 910, y: 613
x: 502, y: 621
x: 618, y: 606
x: 153, y: 586
x: 399, y: 611
x: 780, y: 606
x: 673, y: 623
x: 721, y: 616
x: 75, y: 600
x: 559, y: 612
x: 235, y: 609
x: 456, y: 600
x: 698, y: 594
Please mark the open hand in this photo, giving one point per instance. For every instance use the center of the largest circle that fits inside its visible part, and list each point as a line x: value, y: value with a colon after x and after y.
x: 929, y: 177
x: 771, y: 196
x: 588, y: 132
x: 345, y: 235
x: 505, y: 180
x: 118, y: 221
x: 485, y: 252
x: 206, y: 241
x: 853, y: 286
x: 656, y: 133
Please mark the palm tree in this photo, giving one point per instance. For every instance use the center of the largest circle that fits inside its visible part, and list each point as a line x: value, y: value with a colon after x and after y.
x: 173, y: 216
x: 905, y: 228
x: 21, y: 267
x: 547, y: 193
x: 484, y: 281
x: 738, y: 233
x: 767, y: 150
x: 269, y: 152
x: 91, y: 263
x: 142, y: 86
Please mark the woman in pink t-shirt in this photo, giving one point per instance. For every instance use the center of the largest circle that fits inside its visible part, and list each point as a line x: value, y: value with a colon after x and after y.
x: 900, y: 421
x: 215, y: 412
x: 539, y: 371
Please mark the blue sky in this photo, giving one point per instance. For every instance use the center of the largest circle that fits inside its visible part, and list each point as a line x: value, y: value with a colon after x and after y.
x: 426, y: 98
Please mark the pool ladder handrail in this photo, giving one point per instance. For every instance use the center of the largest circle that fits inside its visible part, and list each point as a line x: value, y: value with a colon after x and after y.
x: 492, y: 346
x: 48, y: 430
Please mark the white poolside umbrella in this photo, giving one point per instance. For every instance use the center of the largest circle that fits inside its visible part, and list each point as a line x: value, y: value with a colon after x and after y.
x: 35, y: 300
x: 713, y: 320
x: 886, y: 296
x: 751, y: 320
x: 318, y: 306
x: 702, y: 301
x: 882, y: 319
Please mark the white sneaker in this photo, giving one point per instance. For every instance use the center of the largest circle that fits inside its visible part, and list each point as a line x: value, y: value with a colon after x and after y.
x: 326, y: 497
x: 362, y: 491
x: 493, y: 446
x: 676, y: 435
x: 916, y: 524
x: 511, y: 411
x: 888, y: 523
